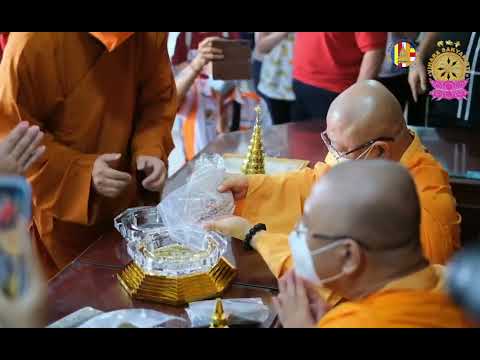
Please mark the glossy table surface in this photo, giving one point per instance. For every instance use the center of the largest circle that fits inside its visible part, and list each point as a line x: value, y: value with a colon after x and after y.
x: 91, y: 279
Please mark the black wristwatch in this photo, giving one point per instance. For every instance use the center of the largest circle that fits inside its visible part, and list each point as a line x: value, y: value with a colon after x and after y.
x: 251, y: 234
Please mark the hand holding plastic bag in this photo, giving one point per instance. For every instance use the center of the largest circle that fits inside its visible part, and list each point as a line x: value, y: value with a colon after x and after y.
x: 185, y: 209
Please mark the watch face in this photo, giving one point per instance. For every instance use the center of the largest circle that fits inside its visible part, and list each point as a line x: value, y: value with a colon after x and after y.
x: 13, y: 247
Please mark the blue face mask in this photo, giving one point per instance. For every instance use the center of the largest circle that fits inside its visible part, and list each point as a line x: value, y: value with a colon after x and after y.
x: 220, y: 86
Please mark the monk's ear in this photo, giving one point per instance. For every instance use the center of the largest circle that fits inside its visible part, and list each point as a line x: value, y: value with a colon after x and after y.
x: 352, y: 256
x: 383, y: 149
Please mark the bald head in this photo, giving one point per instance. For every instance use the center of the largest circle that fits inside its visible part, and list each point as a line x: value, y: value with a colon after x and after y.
x: 373, y: 202
x: 363, y: 223
x: 365, y: 111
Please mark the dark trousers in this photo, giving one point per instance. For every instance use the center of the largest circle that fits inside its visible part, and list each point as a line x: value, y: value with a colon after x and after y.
x: 256, y: 69
x: 280, y: 110
x: 398, y: 86
x: 311, y: 102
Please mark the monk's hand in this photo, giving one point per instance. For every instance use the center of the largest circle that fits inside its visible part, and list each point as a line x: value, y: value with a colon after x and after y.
x: 107, y: 181
x: 318, y: 306
x: 417, y: 79
x: 155, y: 171
x: 206, y: 54
x: 292, y: 303
x: 20, y: 149
x: 237, y: 184
x: 233, y: 226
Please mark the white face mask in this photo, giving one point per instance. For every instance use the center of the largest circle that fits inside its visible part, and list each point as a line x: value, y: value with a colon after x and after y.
x: 303, y: 258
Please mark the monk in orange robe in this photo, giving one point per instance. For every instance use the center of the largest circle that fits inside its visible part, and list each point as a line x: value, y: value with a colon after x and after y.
x: 106, y: 102
x: 364, y: 122
x: 359, y: 237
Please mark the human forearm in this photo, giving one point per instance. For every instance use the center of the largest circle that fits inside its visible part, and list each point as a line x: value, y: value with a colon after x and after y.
x: 371, y: 64
x: 185, y: 79
x: 426, y: 46
x: 267, y: 41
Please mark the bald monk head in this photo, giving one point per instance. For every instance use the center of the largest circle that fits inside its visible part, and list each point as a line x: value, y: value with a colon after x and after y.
x: 366, y: 122
x: 368, y: 236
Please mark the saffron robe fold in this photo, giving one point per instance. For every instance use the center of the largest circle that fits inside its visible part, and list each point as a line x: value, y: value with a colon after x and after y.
x: 414, y: 301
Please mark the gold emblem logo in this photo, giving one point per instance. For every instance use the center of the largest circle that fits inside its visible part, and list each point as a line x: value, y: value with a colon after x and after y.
x: 449, y: 69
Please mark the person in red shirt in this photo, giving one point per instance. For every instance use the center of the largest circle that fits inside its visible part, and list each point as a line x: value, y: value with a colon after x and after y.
x: 327, y: 63
x: 3, y: 42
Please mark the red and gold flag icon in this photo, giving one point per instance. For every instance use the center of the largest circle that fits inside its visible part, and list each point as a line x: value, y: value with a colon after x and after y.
x: 404, y: 54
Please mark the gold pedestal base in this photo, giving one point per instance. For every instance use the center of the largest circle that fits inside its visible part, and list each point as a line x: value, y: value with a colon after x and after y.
x: 177, y: 290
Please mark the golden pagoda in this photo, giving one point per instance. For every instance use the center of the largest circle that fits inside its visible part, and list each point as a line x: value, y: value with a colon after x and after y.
x: 255, y: 161
x: 404, y: 56
x: 219, y: 319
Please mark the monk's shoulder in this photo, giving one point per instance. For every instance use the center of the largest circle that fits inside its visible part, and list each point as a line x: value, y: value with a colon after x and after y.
x: 151, y: 49
x: 426, y: 170
x: 348, y: 315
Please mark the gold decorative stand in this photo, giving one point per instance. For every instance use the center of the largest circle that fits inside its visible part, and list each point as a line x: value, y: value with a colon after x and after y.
x: 179, y: 290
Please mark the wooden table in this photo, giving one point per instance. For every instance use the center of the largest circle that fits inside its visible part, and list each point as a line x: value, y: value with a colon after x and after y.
x: 91, y: 279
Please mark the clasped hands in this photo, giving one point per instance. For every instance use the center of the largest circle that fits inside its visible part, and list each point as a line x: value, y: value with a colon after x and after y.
x: 111, y: 183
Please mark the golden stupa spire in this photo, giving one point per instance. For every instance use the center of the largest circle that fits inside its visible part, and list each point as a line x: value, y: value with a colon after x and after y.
x: 219, y: 319
x: 255, y: 161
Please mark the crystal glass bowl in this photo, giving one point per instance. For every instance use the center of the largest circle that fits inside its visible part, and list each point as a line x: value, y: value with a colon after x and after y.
x: 152, y: 249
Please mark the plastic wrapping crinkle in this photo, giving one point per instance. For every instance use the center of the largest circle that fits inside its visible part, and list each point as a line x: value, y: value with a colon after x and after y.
x: 185, y: 209
x: 140, y: 318
x: 239, y: 311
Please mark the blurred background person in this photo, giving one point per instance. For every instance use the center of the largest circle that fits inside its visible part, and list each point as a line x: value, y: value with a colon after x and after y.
x: 275, y: 84
x: 257, y: 61
x: 205, y: 105
x: 394, y: 77
x: 3, y: 42
x: 464, y: 113
x: 247, y: 96
x: 327, y: 63
x: 463, y: 281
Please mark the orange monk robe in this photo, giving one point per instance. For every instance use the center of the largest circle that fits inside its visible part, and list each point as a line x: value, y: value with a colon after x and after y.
x: 89, y: 101
x: 278, y: 202
x: 416, y: 300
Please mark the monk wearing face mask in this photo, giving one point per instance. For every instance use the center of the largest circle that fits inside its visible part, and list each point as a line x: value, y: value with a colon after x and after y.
x: 364, y: 245
x: 106, y: 102
x: 364, y: 122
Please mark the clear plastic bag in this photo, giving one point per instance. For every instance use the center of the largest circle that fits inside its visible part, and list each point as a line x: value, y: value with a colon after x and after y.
x: 185, y: 209
x: 239, y: 311
x: 139, y: 318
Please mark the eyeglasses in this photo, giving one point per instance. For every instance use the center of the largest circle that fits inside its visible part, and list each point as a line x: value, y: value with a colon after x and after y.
x: 339, y: 156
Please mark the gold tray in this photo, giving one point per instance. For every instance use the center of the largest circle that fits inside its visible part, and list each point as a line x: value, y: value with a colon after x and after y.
x: 180, y: 290
x: 233, y: 164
